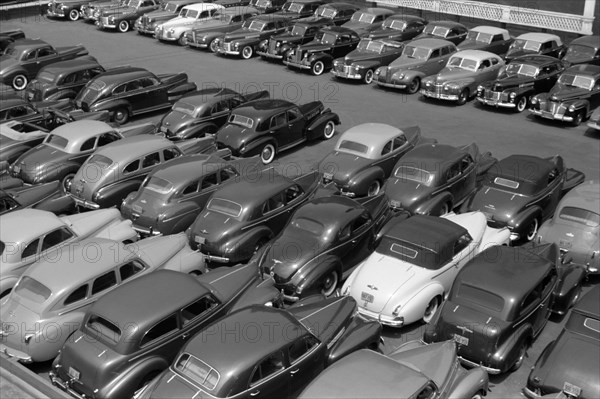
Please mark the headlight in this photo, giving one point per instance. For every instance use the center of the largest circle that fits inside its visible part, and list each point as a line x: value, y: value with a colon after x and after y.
x: 401, y: 76
x: 64, y: 7
x: 292, y: 52
x: 571, y: 108
x: 263, y: 43
x: 172, y: 30
x: 278, y: 44
x: 534, y: 100
x: 236, y: 46
x: 396, y: 311
x: 512, y: 94
x: 480, y: 88
x: 452, y: 86
x: 96, y: 196
x: 377, y: 71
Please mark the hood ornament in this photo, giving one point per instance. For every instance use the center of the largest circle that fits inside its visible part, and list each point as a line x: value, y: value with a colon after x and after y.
x: 371, y: 286
x: 464, y: 329
x: 204, y: 231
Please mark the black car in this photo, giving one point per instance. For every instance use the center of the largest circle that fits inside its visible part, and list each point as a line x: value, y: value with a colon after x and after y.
x: 399, y: 27
x: 65, y: 9
x: 318, y: 55
x: 47, y: 197
x: 298, y: 33
x: 522, y: 78
x: 583, y: 50
x: 123, y: 18
x: 322, y: 243
x: 267, y: 6
x: 299, y: 8
x: 204, y: 111
x: 147, y: 23
x: 536, y: 43
x: 268, y: 127
x: 338, y: 13
x: 448, y: 30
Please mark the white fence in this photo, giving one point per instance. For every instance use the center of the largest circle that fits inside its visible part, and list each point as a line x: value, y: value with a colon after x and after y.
x: 581, y: 24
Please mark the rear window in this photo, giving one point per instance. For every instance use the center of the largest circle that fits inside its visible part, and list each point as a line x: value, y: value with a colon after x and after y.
x: 104, y: 327
x: 57, y: 141
x: 410, y: 253
x: 225, y: 206
x: 579, y: 215
x: 241, y: 121
x: 309, y: 226
x: 32, y: 290
x: 414, y: 174
x: 101, y: 160
x: 481, y: 298
x: 159, y: 185
x: 506, y: 183
x: 46, y: 76
x: 353, y: 146
x: 198, y: 371
x: 2, y: 246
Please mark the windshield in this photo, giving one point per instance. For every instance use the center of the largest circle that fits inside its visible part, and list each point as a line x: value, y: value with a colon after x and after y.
x: 353, y: 146
x: 521, y: 44
x: 46, y: 76
x: 255, y: 25
x: 414, y: 174
x: 225, y: 206
x: 100, y: 160
x: 463, y: 63
x: 363, y: 17
x: 10, y: 50
x: 581, y: 81
x: 577, y: 50
x: 292, y: 7
x: 326, y: 37
x: 57, y: 141
x: 188, y: 13
x: 579, y: 215
x: 32, y: 290
x: 324, y: 11
x: 158, y: 185
x: 440, y: 31
x: 184, y: 108
x: 309, y: 226
x: 170, y: 7
x: 396, y: 24
x: 297, y: 30
x: 416, y: 52
x: 197, y: 371
x: 521, y: 69
x: 240, y: 120
x: 409, y: 252
x: 264, y: 3
x: 480, y: 37
x: 371, y: 46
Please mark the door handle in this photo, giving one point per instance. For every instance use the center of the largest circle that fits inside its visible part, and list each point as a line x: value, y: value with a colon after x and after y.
x: 185, y: 336
x: 254, y: 393
x: 294, y: 371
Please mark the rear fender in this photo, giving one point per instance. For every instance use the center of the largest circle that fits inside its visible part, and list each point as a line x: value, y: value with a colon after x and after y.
x: 358, y: 335
x: 179, y: 217
x: 570, y: 282
x: 414, y: 307
x: 244, y: 243
x: 520, y: 223
x: 307, y: 277
x: 197, y: 131
x: 315, y: 127
x: 359, y: 184
x: 508, y: 352
x: 433, y: 206
x: 177, y: 92
x: 255, y: 147
x: 492, y: 236
x: 201, y: 145
x: 114, y: 193
x: 145, y: 128
x: 129, y: 379
x: 186, y: 261
x: 111, y: 105
x: 475, y: 381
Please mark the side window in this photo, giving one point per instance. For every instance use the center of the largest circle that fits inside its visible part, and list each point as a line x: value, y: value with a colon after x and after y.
x: 387, y: 148
x: 485, y: 64
x: 462, y: 242
x: 292, y: 193
x: 235, y: 102
x: 293, y: 114
x: 278, y: 120
x: 236, y: 19
x: 466, y: 163
x: 345, y: 233
x: 120, y: 89
x: 95, y: 71
x: 209, y: 181
x: 547, y: 46
x: 45, y: 52
x: 70, y: 79
x: 133, y: 85
x: 227, y: 174
x: 18, y: 111
x: 301, y: 347
x: 399, y: 142
x: 190, y: 189
x: 107, y: 138
x: 147, y: 82
x: 452, y: 33
x: 132, y: 167
x: 171, y: 153
x: 30, y: 249
x: 7, y: 204
x: 161, y: 329
x: 130, y: 269
x: 148, y: 3
x: 445, y: 51
x: 30, y: 56
x: 218, y: 107
x: 552, y: 175
x: 529, y: 302
x: 497, y: 38
x: 77, y: 295
x: 272, y: 203
x: 56, y: 237
x: 196, y: 309
x: 151, y: 160
x: 495, y: 61
x: 267, y: 367
x: 435, y: 53
x: 204, y: 14
x: 104, y: 282
x: 453, y: 172
x: 89, y: 144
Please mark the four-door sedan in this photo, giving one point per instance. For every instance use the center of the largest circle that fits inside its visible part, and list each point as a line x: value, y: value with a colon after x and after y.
x: 522, y: 191
x: 322, y: 243
x: 399, y: 27
x: 123, y: 18
x: 191, y: 16
x: 29, y: 235
x: 365, y: 155
x: 414, y: 265
x: 536, y: 43
x: 433, y: 179
x: 231, y: 228
x: 448, y: 30
x: 573, y: 98
x: 487, y: 38
x: 420, y: 58
x: 142, y: 326
x: 339, y: 13
x: 268, y: 127
x: 407, y: 372
x: 463, y: 73
x: 297, y: 9
x: 366, y: 20
x: 286, y: 350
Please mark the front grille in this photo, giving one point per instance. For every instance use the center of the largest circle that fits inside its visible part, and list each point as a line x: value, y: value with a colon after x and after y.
x: 272, y: 46
x: 227, y: 46
x: 551, y: 106
x: 438, y: 88
x: 492, y: 95
x: 298, y: 56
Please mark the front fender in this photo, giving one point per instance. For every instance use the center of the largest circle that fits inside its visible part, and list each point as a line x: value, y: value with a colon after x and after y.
x: 409, y: 75
x: 115, y: 193
x: 475, y: 381
x: 507, y: 353
x: 359, y: 184
x: 359, y: 334
x: 306, y: 278
x: 7, y: 284
x: 327, y: 59
x: 433, y: 206
x: 129, y: 379
x: 571, y: 281
x: 54, y: 171
x: 199, y: 130
x: 186, y: 261
x: 520, y: 222
x: 111, y: 105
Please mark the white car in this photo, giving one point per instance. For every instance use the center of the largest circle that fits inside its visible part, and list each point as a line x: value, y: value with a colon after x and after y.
x: 190, y: 18
x: 29, y: 235
x: 414, y: 265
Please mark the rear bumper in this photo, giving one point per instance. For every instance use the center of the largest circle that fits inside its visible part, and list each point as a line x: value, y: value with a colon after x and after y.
x: 84, y: 203
x: 64, y: 385
x: 22, y: 357
x: 146, y: 231
x: 396, y: 322
x: 468, y: 363
x: 550, y: 115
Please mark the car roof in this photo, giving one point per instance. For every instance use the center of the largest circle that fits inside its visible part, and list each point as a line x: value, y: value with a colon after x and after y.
x: 340, y: 6
x: 270, y: 17
x: 262, y: 108
x: 585, y: 196
x: 514, y: 166
x: 238, y: 10
x: 535, y: 59
x: 82, y: 130
x: 330, y: 211
x: 430, y: 42
x: 489, y: 29
x: 120, y: 74
x: 23, y: 225
x: 134, y: 147
x: 589, y: 304
x: 202, y: 6
x: 430, y: 156
x: 447, y: 24
x: 305, y: 1
x: 374, y: 135
x: 270, y: 183
x: 74, y: 65
x: 476, y: 55
x: 377, y: 10
x: 584, y: 69
x: 591, y: 41
x: 188, y: 168
x: 405, y: 17
x: 539, y: 37
x: 23, y: 44
x: 207, y: 95
x: 149, y: 298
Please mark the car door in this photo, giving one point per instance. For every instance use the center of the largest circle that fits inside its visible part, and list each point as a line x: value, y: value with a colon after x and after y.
x: 45, y: 56
x: 551, y: 194
x: 342, y: 45
x: 147, y: 6
x: 455, y: 180
x: 208, y: 184
x: 546, y: 290
x: 163, y: 339
x: 270, y: 378
x: 279, y: 130
x: 546, y: 79
x: 305, y: 356
x: 468, y: 170
x: 435, y: 63
x: 595, y: 95
x: 354, y: 239
x: 275, y: 212
x: 219, y: 112
x: 56, y: 239
x: 488, y: 70
x: 296, y: 124
x: 154, y: 94
x: 29, y: 63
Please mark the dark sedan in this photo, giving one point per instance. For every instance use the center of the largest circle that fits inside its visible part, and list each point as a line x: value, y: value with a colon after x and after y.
x: 366, y: 20
x: 583, y: 50
x: 399, y: 27
x: 300, y: 32
x: 448, y: 30
x: 338, y: 13
x: 536, y: 43
x: 296, y: 9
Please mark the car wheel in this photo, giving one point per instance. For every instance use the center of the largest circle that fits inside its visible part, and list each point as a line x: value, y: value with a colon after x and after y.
x: 213, y: 46
x: 374, y: 188
x: 532, y: 229
x: 430, y: 310
x: 522, y: 104
x: 368, y: 76
x: 414, y: 86
x: 520, y: 359
x: 267, y: 154
x: 578, y: 119
x: 328, y: 130
x: 123, y: 26
x: 121, y: 116
x: 247, y: 52
x: 444, y: 209
x: 329, y: 283
x: 478, y: 395
x: 318, y: 68
x: 66, y: 181
x: 182, y: 40
x: 463, y: 97
x: 74, y: 15
x: 19, y: 82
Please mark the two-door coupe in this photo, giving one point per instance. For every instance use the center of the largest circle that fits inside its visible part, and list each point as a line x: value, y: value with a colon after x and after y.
x: 191, y: 16
x: 433, y: 179
x: 522, y: 191
x: 415, y: 263
x: 365, y: 155
x: 322, y: 243
x: 487, y: 38
x: 274, y: 355
x: 45, y: 308
x: 268, y: 127
x: 366, y: 20
x: 583, y: 50
x: 451, y: 31
x: 29, y: 235
x: 399, y: 27
x: 536, y: 43
x: 164, y: 309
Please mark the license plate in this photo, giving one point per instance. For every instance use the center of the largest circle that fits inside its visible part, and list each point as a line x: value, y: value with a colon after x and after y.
x: 328, y: 176
x: 395, y: 204
x: 200, y: 240
x: 572, y: 390
x: 365, y: 296
x: 461, y: 340
x: 564, y: 244
x: 74, y: 373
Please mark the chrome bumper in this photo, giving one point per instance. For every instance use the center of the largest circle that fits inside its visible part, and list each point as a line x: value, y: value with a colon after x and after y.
x: 550, y: 115
x: 146, y: 231
x: 84, y: 203
x: 221, y: 50
x: 346, y: 75
x: 496, y: 103
x: 269, y: 55
x: 594, y: 125
x: 392, y: 85
x: 386, y: 321
x: 197, y: 45
x: 469, y: 363
x: 530, y: 394
x: 51, y: 13
x: 296, y: 65
x: 216, y: 259
x: 58, y: 382
x: 440, y: 96
x: 22, y: 357
x: 105, y: 24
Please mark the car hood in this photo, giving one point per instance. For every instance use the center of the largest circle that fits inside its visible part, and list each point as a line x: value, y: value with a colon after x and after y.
x: 161, y: 14
x: 509, y: 81
x: 241, y: 34
x: 405, y: 63
x: 289, y: 253
x: 472, y: 45
x: 358, y: 56
x: 176, y: 120
x: 499, y: 204
x: 286, y: 38
x: 437, y: 360
x: 107, y: 12
x: 39, y: 158
x: 179, y: 21
x: 345, y: 166
x: 407, y: 192
x: 563, y: 93
x: 386, y: 278
x: 212, y: 23
x: 452, y: 74
x: 574, y: 59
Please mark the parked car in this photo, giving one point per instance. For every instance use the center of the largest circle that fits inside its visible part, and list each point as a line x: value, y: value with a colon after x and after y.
x: 8, y: 36
x: 268, y: 127
x: 594, y: 120
x: 62, y: 79
x: 361, y: 63
x: 399, y: 27
x: 339, y: 13
x: 322, y: 243
x: 464, y: 72
x: 522, y: 191
x: 411, y: 375
x: 523, y: 78
x: 147, y: 23
x: 267, y: 6
x: 420, y: 58
x: 571, y: 362
x: 448, y: 30
x: 171, y: 197
x: 487, y: 38
x: 123, y: 18
x: 29, y: 235
x: 573, y: 97
x: 298, y: 33
x: 46, y: 197
x: 117, y: 169
x: 498, y: 305
x: 364, y: 157
x: 433, y: 179
x: 18, y: 138
x: 291, y: 347
x: 130, y: 91
x: 91, y: 11
x: 244, y: 41
x: 296, y: 9
x: 536, y: 43
x: 224, y: 21
x: 184, y: 306
x: 231, y: 228
x: 67, y: 147
x: 367, y: 20
x: 23, y: 59
x: 415, y: 263
x: 317, y: 56
x: 191, y: 16
x: 583, y: 50
x: 44, y: 298
x: 204, y: 111
x: 65, y: 9
x: 575, y: 226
